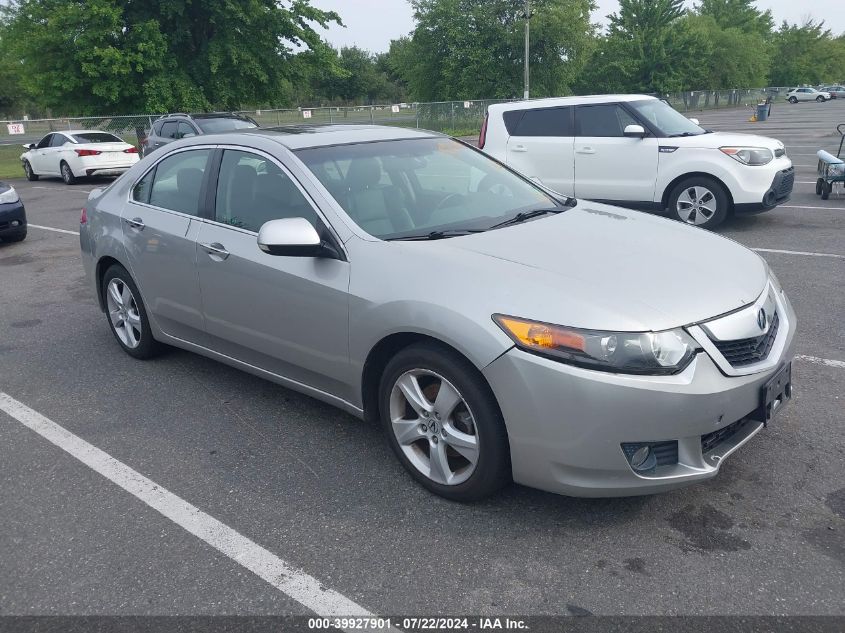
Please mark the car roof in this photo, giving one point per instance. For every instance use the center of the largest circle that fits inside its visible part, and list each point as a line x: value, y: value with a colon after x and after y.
x: 75, y: 132
x: 553, y: 102
x: 301, y: 136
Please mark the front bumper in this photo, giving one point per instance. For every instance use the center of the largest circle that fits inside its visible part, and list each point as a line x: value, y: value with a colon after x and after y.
x: 12, y: 219
x: 779, y: 192
x: 567, y: 425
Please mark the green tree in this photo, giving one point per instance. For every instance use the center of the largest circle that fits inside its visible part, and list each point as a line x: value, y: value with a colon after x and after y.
x: 466, y: 48
x: 96, y: 56
x: 650, y: 47
x: 738, y: 14
x: 806, y: 54
x: 737, y: 58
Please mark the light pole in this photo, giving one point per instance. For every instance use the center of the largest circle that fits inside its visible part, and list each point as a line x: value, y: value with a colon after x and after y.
x: 527, y: 45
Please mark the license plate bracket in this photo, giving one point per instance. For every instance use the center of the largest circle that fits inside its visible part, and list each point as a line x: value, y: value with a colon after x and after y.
x: 776, y: 393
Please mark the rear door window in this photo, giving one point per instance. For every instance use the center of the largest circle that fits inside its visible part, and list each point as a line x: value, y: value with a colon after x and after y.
x: 178, y: 179
x: 168, y: 129
x: 543, y: 122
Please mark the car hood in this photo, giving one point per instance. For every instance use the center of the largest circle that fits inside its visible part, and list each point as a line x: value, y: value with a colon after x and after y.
x: 602, y: 267
x: 715, y: 140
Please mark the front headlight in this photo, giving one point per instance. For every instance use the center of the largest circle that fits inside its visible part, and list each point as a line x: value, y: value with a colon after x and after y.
x: 749, y: 155
x: 10, y: 195
x: 666, y: 352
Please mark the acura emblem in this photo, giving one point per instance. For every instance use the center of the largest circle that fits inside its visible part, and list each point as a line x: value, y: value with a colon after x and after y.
x: 761, y: 319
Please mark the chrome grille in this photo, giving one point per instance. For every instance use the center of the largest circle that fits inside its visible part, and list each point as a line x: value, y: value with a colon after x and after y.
x: 748, y: 351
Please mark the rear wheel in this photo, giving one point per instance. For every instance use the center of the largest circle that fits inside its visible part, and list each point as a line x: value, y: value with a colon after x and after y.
x: 826, y: 189
x: 27, y: 169
x: 67, y: 174
x: 127, y: 315
x: 699, y: 201
x: 443, y: 423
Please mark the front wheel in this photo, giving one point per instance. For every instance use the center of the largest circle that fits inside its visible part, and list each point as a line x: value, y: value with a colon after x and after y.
x: 793, y: 100
x: 443, y: 423
x: 67, y: 174
x: 820, y: 99
x: 127, y: 314
x: 699, y: 201
x: 819, y: 186
x: 27, y: 170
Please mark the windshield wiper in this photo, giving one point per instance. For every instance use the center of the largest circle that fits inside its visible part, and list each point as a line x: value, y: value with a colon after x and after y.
x: 522, y: 216
x: 684, y: 134
x: 435, y: 235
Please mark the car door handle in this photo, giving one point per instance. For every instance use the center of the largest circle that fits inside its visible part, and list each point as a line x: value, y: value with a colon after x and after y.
x: 135, y: 223
x: 519, y: 148
x: 215, y: 248
x: 586, y: 150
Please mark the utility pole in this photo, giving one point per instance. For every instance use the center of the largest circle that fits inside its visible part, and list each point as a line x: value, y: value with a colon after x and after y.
x: 527, y: 44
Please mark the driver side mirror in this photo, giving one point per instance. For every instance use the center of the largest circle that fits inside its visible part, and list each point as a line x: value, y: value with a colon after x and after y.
x: 634, y: 131
x: 187, y: 135
x: 293, y: 237
x: 30, y: 145
x: 694, y: 120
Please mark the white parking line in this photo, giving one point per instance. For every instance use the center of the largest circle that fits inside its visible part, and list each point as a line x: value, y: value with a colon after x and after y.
x: 808, y: 253
x: 787, y: 206
x: 822, y: 361
x: 293, y: 582
x: 50, y: 228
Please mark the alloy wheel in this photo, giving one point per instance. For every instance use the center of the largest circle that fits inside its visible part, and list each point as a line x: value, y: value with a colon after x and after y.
x: 67, y: 175
x: 434, y: 427
x: 123, y: 313
x: 696, y: 205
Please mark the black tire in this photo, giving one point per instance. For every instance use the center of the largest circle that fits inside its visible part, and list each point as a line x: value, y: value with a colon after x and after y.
x: 793, y: 100
x: 20, y: 237
x: 819, y: 186
x: 27, y: 169
x: 147, y: 346
x: 720, y: 194
x: 826, y: 189
x: 67, y: 173
x: 493, y: 468
x: 820, y: 99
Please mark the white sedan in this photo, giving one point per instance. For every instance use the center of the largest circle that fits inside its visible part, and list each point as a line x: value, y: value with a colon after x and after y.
x: 78, y: 153
x: 806, y: 94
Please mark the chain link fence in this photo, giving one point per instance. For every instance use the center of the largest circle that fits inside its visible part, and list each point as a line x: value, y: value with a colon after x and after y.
x: 460, y: 118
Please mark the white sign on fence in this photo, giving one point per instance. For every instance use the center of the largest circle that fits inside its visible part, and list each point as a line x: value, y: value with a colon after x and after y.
x: 306, y: 114
x: 15, y: 128
x: 467, y: 104
x: 394, y: 108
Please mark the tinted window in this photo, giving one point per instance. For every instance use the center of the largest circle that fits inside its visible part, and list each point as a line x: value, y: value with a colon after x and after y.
x: 97, y: 137
x: 168, y: 129
x: 45, y: 142
x: 178, y: 181
x: 602, y: 120
x: 545, y: 122
x: 185, y: 129
x: 59, y: 140
x: 212, y: 126
x: 252, y: 190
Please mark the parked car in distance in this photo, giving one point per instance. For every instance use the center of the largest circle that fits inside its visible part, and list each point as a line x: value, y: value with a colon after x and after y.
x: 78, y: 154
x: 173, y: 127
x: 12, y: 215
x: 835, y: 92
x: 495, y: 330
x: 807, y: 94
x: 637, y: 151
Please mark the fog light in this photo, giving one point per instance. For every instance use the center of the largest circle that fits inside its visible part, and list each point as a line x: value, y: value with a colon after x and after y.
x: 639, y: 458
x: 16, y: 222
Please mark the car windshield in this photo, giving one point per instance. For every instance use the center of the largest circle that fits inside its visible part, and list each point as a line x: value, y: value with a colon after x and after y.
x: 96, y: 137
x: 665, y: 118
x: 395, y: 189
x: 223, y: 124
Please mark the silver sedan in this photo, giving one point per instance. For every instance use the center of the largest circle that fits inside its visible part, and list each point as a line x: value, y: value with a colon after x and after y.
x: 495, y: 329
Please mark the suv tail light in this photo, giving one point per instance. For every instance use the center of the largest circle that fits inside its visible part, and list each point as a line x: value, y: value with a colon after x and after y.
x: 131, y: 150
x: 83, y: 217
x: 482, y: 137
x: 87, y: 152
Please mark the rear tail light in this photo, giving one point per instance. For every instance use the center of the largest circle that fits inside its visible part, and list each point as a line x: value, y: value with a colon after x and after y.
x: 131, y: 150
x: 482, y: 138
x: 87, y: 152
x: 83, y: 217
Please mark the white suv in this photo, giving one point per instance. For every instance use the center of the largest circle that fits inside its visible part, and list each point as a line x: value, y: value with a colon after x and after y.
x: 636, y: 151
x: 807, y: 94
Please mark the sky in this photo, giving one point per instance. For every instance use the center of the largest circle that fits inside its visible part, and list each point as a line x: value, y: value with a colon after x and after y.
x: 371, y: 24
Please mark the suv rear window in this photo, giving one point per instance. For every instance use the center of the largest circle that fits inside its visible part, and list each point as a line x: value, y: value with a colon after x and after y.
x: 223, y: 124
x: 539, y: 122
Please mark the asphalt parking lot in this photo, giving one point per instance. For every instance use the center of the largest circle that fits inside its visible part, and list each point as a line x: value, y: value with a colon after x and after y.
x: 320, y: 491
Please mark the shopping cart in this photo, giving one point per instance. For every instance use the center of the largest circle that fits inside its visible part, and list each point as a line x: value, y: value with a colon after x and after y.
x: 831, y: 168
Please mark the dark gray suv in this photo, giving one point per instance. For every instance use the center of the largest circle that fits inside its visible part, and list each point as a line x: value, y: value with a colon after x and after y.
x: 172, y: 127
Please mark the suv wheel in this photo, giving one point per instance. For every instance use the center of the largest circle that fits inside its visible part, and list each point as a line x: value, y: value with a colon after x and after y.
x: 820, y: 99
x: 443, y: 423
x: 700, y: 201
x: 793, y: 99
